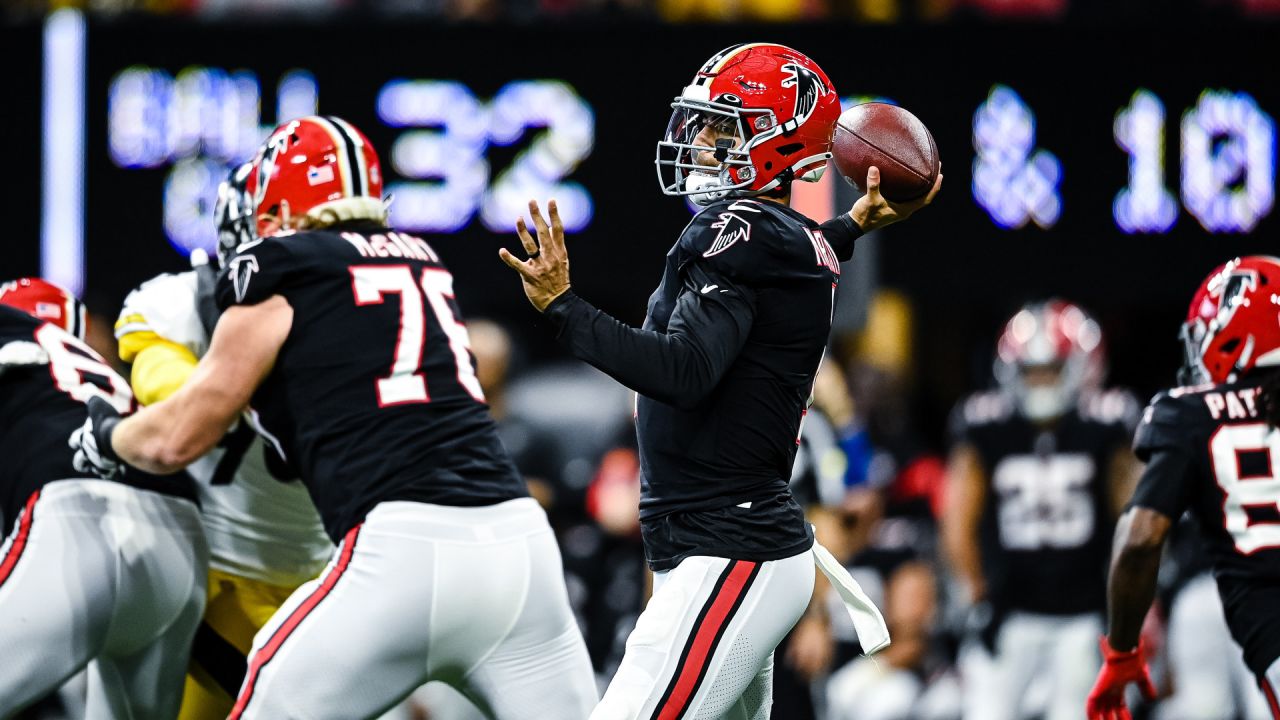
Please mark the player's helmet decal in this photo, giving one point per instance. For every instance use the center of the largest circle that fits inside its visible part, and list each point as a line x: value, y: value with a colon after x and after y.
x: 809, y: 89
x: 1233, y: 324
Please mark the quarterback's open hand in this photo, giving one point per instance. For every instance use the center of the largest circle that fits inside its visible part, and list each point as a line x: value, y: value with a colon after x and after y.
x: 873, y: 210
x: 546, y: 273
x: 92, y: 441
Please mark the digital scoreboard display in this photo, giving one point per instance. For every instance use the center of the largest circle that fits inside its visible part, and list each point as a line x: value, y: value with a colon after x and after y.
x: 1118, y: 189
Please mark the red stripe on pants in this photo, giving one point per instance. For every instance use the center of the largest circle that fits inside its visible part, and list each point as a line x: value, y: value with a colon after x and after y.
x: 1270, y: 692
x: 702, y: 648
x: 269, y: 650
x: 10, y: 560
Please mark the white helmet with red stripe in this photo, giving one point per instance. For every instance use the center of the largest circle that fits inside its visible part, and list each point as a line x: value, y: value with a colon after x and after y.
x: 1047, y: 355
x: 316, y: 171
x: 45, y: 301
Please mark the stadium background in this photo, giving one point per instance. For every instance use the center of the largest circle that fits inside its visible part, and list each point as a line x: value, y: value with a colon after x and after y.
x: 476, y: 106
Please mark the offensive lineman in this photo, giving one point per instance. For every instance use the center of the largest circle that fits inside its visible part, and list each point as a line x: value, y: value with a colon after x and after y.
x: 724, y: 367
x: 1039, y: 471
x: 104, y: 573
x: 1212, y: 448
x: 344, y: 337
x: 265, y: 537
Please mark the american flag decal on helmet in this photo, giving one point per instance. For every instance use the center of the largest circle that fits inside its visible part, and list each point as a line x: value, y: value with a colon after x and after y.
x: 732, y: 229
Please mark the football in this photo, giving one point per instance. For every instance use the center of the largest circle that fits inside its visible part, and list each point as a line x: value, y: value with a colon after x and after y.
x: 891, y: 139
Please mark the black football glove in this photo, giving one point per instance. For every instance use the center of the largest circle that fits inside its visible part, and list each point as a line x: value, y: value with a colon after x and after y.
x: 92, y: 441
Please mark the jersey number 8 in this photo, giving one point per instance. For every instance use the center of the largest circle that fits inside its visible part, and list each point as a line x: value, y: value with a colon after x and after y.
x: 1247, y: 492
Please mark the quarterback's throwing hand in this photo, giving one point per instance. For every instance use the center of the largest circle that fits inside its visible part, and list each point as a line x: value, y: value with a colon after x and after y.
x: 874, y: 210
x: 1119, y: 668
x: 92, y: 441
x: 546, y: 273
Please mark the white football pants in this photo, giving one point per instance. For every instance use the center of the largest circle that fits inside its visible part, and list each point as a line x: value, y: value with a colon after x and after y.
x: 703, y: 647
x: 1210, y: 679
x: 472, y: 596
x: 99, y: 574
x: 1043, y: 665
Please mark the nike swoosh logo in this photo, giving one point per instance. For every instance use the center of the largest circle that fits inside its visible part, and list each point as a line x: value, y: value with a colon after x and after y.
x: 708, y: 288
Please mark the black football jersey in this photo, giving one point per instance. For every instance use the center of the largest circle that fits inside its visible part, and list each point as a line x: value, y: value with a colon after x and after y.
x: 1047, y: 522
x: 374, y: 395
x: 724, y: 368
x: 1209, y: 450
x: 41, y: 404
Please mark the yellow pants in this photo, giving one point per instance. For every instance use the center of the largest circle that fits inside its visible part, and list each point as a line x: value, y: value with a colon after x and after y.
x: 237, y: 608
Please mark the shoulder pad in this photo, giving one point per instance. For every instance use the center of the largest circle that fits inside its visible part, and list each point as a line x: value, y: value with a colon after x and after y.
x: 258, y: 270
x: 983, y: 408
x: 166, y: 307
x: 1169, y: 421
x: 1112, y: 407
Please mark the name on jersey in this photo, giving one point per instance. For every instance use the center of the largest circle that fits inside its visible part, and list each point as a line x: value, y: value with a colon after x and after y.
x: 1238, y: 404
x: 393, y: 244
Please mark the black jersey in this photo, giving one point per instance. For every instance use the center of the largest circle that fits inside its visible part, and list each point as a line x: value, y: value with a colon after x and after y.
x: 374, y: 395
x: 42, y: 403
x: 724, y: 367
x: 1045, y: 532
x: 1209, y: 450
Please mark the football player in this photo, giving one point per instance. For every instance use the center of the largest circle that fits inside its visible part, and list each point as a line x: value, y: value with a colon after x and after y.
x: 1211, y: 447
x: 724, y: 367
x: 107, y: 574
x: 1038, y: 473
x: 344, y: 337
x: 265, y: 537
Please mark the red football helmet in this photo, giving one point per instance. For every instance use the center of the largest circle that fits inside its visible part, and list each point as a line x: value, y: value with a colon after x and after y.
x: 316, y: 165
x: 780, y: 108
x: 1048, y: 353
x: 45, y: 301
x: 1233, y: 324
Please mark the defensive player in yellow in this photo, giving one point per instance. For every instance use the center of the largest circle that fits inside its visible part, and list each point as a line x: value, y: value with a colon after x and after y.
x: 265, y: 537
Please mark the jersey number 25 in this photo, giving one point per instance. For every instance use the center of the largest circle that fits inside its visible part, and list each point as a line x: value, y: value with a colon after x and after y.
x: 407, y: 383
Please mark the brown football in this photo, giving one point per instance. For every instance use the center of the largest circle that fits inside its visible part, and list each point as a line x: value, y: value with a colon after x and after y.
x: 891, y: 139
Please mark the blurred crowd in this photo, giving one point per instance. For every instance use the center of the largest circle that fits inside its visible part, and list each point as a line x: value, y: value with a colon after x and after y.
x: 871, y: 11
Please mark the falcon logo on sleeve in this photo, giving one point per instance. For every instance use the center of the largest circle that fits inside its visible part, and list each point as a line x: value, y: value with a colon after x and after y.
x: 242, y: 269
x: 732, y: 229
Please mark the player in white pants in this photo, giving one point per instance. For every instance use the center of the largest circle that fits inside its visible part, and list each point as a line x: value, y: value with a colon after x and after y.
x: 480, y: 593
x: 703, y: 647
x: 98, y: 571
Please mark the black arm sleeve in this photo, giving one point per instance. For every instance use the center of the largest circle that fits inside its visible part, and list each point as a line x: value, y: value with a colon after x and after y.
x: 680, y: 367
x: 841, y: 233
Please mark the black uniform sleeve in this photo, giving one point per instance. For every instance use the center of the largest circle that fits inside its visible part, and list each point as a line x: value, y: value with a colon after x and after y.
x: 841, y: 233
x: 710, y: 324
x: 255, y: 273
x: 1164, y: 440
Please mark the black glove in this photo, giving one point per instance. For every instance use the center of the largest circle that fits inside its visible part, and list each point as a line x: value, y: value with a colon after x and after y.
x: 92, y: 441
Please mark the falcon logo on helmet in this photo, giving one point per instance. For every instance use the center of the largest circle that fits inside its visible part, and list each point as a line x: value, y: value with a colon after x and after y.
x: 809, y: 89
x: 755, y: 118
x: 316, y: 171
x: 1233, y: 324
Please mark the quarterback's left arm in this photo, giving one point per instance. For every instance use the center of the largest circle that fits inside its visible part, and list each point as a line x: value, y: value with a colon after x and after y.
x: 680, y: 367
x: 166, y: 437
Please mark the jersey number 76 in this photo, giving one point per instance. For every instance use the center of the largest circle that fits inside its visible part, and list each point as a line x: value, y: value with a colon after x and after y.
x: 407, y: 383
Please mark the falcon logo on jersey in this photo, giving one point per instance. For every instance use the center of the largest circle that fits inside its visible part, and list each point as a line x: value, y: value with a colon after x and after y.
x: 732, y: 229
x: 809, y: 88
x: 242, y: 268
